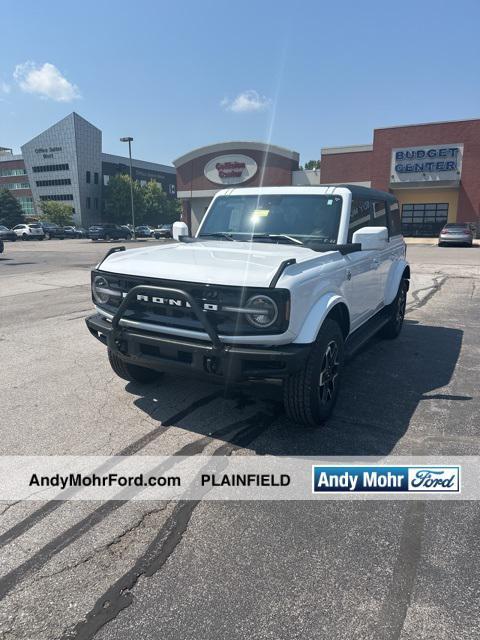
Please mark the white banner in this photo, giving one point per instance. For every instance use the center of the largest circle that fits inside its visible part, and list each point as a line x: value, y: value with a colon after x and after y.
x: 238, y: 477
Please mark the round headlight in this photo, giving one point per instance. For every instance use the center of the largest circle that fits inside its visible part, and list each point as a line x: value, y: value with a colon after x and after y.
x: 264, y: 311
x: 100, y: 290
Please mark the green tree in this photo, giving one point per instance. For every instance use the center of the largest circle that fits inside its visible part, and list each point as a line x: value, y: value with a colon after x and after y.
x: 11, y: 212
x: 312, y: 164
x: 56, y: 212
x: 159, y: 208
x: 117, y: 200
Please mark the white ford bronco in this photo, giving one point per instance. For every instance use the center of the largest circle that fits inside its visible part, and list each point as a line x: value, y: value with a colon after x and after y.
x: 278, y: 283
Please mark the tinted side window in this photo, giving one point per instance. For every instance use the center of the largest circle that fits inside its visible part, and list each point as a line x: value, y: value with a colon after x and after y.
x: 379, y: 214
x: 395, y: 219
x: 360, y: 216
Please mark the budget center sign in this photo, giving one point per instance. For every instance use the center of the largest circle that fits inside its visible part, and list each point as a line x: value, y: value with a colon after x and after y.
x: 433, y: 163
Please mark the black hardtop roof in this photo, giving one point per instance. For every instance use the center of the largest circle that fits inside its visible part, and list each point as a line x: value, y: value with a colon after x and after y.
x: 365, y: 192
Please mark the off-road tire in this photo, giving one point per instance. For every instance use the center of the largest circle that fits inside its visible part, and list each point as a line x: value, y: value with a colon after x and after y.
x: 305, y: 399
x: 132, y: 372
x: 392, y: 329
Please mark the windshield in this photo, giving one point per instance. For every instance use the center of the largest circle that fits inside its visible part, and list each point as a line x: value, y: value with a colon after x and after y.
x: 304, y: 218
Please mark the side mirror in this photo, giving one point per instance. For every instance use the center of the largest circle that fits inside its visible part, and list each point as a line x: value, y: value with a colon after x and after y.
x: 371, y: 238
x: 179, y: 229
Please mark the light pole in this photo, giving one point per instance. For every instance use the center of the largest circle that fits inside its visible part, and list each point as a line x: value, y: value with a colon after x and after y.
x: 130, y: 140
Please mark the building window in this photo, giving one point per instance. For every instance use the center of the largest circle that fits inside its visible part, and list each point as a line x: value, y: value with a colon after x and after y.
x: 27, y: 205
x: 58, y: 196
x: 44, y: 168
x: 95, y: 177
x: 88, y: 176
x: 7, y: 173
x: 88, y: 203
x: 425, y: 219
x: 106, y: 180
x: 53, y: 183
x: 15, y: 185
x: 95, y: 203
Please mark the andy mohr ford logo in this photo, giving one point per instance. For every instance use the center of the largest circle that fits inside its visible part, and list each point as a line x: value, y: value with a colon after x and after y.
x: 386, y: 479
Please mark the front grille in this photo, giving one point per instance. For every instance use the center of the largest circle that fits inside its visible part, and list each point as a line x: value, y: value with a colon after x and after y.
x: 225, y: 323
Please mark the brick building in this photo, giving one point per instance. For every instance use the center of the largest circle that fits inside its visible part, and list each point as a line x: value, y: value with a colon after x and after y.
x: 203, y: 172
x: 433, y: 169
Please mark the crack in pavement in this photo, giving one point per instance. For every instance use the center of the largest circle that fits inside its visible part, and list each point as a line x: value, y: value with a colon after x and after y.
x: 34, y: 518
x: 96, y: 551
x: 438, y: 283
x: 119, y: 596
x: 24, y: 570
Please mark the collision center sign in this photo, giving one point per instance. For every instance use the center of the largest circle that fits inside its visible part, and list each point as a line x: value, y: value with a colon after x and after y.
x: 432, y: 163
x: 230, y: 169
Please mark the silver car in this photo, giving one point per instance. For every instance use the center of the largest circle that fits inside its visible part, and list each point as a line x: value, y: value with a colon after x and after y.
x: 456, y: 233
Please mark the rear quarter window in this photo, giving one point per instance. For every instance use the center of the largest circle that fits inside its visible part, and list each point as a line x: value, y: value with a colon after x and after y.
x: 395, y: 219
x: 360, y: 216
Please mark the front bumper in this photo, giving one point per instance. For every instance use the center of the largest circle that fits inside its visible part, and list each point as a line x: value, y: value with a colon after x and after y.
x: 228, y: 362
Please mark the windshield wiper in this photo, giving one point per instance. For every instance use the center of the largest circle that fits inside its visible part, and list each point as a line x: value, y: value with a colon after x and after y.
x: 217, y: 234
x: 277, y: 236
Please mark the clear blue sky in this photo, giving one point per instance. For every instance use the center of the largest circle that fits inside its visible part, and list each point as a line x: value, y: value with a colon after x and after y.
x: 174, y: 74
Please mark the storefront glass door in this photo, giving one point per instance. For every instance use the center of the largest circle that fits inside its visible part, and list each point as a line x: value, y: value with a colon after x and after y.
x: 425, y: 220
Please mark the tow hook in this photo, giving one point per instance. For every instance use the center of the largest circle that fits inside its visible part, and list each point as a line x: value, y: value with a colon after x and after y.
x: 121, y: 345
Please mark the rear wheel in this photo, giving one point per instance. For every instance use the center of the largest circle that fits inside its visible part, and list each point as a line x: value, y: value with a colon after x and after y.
x: 310, y: 395
x: 393, y: 327
x: 132, y: 372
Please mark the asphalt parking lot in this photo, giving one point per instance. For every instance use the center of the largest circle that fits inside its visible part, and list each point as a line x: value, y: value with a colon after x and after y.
x: 364, y: 571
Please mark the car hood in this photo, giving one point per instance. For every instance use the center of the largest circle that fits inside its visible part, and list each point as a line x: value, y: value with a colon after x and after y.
x: 212, y: 262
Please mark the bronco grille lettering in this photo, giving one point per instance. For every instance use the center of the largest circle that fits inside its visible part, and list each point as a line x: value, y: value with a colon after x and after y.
x: 172, y: 302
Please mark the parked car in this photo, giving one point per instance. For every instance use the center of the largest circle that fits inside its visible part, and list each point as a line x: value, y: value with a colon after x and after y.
x: 143, y: 231
x: 52, y: 230
x: 75, y: 232
x: 279, y: 282
x: 7, y: 234
x: 29, y: 231
x: 109, y: 231
x: 456, y: 233
x: 164, y: 231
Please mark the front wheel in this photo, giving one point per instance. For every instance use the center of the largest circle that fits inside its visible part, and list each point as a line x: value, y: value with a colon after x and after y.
x: 397, y: 312
x: 132, y: 372
x: 24, y: 236
x: 310, y: 395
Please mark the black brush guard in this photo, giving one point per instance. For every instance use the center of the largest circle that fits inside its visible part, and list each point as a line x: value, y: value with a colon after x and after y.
x: 214, y: 358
